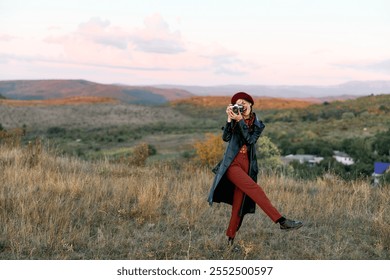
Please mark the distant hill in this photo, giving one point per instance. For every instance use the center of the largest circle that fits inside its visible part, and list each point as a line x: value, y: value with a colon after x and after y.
x: 54, y: 89
x: 350, y: 90
x: 161, y: 94
x: 59, y: 101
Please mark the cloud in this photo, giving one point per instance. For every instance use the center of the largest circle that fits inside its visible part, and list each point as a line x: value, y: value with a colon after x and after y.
x: 4, y: 58
x: 156, y: 37
x: 225, y: 62
x: 150, y: 52
x: 382, y: 66
x: 100, y: 32
x: 153, y: 47
x: 96, y: 31
x: 228, y: 64
x: 6, y: 37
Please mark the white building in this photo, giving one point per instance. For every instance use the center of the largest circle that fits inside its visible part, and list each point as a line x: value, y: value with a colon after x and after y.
x: 310, y: 159
x: 343, y: 158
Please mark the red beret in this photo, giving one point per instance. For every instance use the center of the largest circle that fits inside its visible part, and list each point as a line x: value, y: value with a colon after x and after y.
x: 242, y: 95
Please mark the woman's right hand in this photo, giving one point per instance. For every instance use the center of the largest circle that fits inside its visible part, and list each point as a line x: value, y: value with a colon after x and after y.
x: 232, y: 115
x: 229, y: 112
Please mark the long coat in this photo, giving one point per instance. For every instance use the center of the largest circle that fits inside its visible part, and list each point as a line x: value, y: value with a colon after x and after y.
x: 236, y: 134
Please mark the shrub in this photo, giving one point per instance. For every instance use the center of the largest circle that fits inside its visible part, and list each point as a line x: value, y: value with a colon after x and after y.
x: 347, y: 115
x: 386, y: 178
x: 140, y: 154
x: 210, y: 150
x: 384, y: 108
x: 12, y: 137
x: 268, y: 154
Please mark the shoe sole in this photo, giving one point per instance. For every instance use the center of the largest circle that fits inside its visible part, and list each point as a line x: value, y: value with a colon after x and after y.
x: 292, y: 228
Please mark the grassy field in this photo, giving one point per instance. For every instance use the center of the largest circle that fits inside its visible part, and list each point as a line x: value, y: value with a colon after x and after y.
x: 58, y: 207
x: 76, y: 200
x: 84, y: 115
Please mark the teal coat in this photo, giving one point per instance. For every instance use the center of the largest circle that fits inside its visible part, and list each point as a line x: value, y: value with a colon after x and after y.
x: 236, y: 134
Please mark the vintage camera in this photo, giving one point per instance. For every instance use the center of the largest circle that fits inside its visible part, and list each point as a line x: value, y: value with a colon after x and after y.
x: 236, y: 108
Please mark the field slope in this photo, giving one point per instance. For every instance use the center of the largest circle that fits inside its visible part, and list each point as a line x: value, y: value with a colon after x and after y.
x: 55, y: 207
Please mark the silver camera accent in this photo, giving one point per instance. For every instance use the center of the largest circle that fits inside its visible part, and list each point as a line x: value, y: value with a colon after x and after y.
x: 236, y: 108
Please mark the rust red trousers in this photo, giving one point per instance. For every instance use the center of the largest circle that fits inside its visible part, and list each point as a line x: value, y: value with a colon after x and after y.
x: 237, y: 173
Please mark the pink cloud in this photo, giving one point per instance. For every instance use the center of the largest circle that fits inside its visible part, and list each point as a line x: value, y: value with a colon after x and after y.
x: 96, y: 31
x: 227, y: 62
x: 6, y: 37
x: 153, y: 51
x: 156, y: 37
x: 101, y: 32
x: 98, y: 42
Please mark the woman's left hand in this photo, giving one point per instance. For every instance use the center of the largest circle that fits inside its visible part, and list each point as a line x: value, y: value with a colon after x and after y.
x: 233, y: 116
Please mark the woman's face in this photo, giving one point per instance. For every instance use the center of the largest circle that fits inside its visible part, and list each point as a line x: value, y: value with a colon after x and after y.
x: 247, y: 107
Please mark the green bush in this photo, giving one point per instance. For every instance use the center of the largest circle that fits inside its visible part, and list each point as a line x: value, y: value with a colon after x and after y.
x: 347, y: 115
x: 268, y: 155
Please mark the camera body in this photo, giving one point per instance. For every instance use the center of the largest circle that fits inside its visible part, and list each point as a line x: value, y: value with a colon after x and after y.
x: 236, y: 108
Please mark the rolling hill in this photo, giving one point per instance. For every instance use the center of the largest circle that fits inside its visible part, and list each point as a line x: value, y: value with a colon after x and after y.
x: 54, y: 89
x: 59, y: 101
x: 348, y: 90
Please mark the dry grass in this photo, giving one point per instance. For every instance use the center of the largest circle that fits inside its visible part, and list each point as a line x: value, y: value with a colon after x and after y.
x: 54, y: 207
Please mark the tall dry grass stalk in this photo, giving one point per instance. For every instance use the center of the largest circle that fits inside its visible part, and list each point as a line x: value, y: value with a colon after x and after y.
x: 55, y: 207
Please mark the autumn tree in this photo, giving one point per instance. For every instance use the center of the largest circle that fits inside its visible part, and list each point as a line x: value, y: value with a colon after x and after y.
x: 210, y: 150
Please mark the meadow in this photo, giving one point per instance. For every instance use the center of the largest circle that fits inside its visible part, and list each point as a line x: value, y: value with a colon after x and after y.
x: 54, y: 206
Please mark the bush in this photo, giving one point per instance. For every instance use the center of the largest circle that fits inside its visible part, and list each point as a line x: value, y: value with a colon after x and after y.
x: 347, y: 115
x: 140, y: 154
x: 384, y: 108
x: 12, y: 137
x: 386, y: 178
x: 209, y: 151
x: 268, y: 154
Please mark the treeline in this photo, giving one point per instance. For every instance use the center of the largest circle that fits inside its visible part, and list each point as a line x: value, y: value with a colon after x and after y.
x: 364, y: 151
x: 360, y: 128
x: 360, y: 107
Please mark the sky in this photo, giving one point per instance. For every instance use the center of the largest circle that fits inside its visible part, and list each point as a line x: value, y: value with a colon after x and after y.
x: 203, y: 42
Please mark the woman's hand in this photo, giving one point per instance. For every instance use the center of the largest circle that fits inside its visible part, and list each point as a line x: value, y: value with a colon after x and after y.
x: 231, y: 115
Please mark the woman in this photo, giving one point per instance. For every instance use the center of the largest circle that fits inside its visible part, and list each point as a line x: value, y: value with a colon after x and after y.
x: 236, y: 175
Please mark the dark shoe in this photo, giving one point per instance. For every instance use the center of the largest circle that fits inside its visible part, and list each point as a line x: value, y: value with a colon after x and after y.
x: 290, y: 224
x: 230, y: 241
